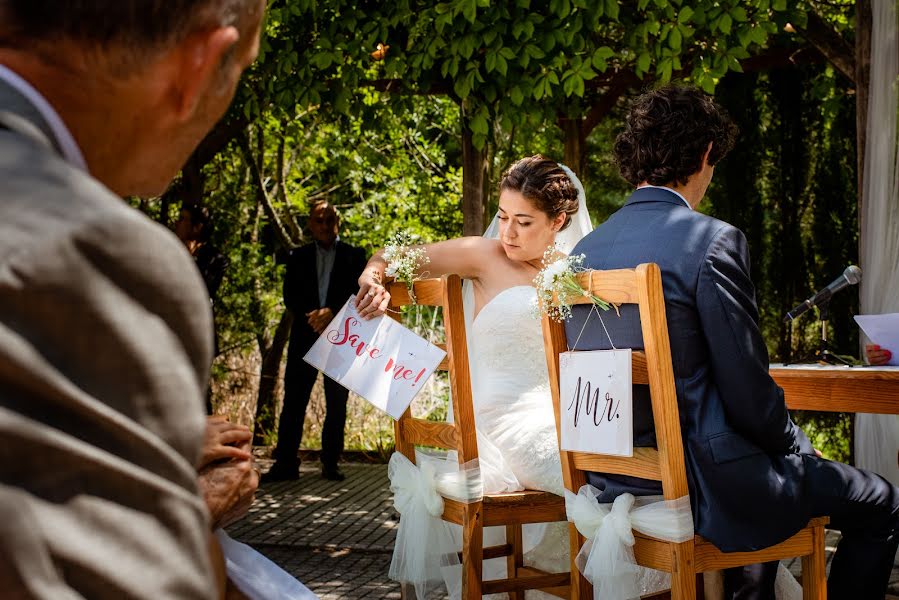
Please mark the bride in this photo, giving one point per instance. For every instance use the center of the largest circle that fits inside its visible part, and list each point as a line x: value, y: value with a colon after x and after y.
x: 541, y: 203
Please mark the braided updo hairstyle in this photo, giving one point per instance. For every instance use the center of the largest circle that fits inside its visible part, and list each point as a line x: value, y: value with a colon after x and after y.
x: 667, y: 133
x: 545, y: 183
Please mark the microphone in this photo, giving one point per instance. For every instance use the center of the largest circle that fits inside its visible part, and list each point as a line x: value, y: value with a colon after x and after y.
x: 851, y: 276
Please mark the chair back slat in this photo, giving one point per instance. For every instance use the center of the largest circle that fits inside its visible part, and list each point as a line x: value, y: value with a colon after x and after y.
x: 428, y: 292
x: 420, y: 432
x: 446, y: 293
x: 652, y: 366
x: 644, y: 463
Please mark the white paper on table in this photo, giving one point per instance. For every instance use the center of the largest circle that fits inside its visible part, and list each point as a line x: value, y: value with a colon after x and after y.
x: 378, y: 359
x: 882, y: 330
x: 596, y: 402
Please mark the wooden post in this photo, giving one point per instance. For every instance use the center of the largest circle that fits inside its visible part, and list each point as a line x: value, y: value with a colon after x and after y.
x: 575, y: 145
x: 474, y: 181
x: 862, y: 89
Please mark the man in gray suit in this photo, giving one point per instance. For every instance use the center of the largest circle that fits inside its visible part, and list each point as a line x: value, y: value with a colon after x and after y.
x: 105, y: 328
x: 754, y: 478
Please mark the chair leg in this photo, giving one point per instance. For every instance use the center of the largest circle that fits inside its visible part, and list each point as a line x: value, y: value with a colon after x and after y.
x: 472, y: 552
x: 407, y: 592
x: 516, y: 559
x: 814, y: 574
x: 683, y: 573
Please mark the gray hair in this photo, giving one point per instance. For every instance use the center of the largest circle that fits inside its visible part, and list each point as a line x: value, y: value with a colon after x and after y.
x: 140, y: 26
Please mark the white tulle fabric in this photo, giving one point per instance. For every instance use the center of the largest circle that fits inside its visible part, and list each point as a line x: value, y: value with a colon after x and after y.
x: 258, y: 577
x: 607, y: 558
x: 877, y: 436
x: 424, y: 554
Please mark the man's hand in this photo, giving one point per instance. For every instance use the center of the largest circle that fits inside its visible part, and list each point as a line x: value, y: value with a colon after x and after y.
x: 224, y: 441
x: 319, y: 319
x: 228, y: 489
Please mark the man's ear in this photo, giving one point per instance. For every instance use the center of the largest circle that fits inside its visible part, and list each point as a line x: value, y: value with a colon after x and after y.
x: 705, y: 157
x: 201, y: 59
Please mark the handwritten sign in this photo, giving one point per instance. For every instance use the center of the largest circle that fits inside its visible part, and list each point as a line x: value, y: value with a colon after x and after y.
x: 379, y: 359
x: 596, y: 405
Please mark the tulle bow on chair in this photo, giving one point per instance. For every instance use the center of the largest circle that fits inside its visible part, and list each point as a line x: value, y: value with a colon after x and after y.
x: 425, y: 546
x: 607, y: 558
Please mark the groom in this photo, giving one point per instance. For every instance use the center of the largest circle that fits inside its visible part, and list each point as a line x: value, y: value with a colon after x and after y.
x: 754, y: 478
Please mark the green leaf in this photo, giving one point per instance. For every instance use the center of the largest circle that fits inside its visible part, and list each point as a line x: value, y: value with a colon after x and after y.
x: 502, y: 66
x: 674, y: 39
x: 470, y: 10
x: 643, y: 62
x: 516, y: 95
x: 684, y: 15
x: 612, y: 9
x: 724, y: 23
x: 780, y: 5
x: 462, y: 87
x: 739, y: 14
x: 534, y: 51
x: 642, y: 4
x: 490, y: 61
x: 478, y: 124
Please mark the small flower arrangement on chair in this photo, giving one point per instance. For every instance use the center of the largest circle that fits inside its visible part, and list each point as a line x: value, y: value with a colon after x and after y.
x: 557, y: 285
x: 403, y: 260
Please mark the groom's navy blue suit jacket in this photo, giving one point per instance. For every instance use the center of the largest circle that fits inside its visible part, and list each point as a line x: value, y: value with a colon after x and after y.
x: 741, y: 447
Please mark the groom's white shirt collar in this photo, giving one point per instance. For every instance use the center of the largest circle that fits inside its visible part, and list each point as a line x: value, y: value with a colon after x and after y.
x: 662, y: 187
x: 70, y: 150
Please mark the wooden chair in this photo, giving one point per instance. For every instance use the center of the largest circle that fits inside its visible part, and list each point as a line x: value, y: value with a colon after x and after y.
x: 684, y: 561
x: 511, y: 510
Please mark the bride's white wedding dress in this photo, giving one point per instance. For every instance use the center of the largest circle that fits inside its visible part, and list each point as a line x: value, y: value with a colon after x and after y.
x: 517, y: 444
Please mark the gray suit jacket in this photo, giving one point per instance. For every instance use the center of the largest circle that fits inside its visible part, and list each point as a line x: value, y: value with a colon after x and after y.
x: 742, y: 450
x: 105, y: 345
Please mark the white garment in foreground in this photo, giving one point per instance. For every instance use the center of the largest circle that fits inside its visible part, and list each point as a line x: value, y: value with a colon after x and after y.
x: 258, y: 577
x: 877, y: 436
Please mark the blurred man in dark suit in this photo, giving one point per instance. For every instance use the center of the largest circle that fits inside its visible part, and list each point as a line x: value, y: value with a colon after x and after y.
x: 320, y: 278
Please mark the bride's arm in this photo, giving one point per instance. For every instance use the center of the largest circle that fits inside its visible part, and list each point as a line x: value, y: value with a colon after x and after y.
x: 465, y: 256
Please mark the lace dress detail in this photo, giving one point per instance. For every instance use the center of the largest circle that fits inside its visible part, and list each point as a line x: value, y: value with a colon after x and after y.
x: 510, y: 387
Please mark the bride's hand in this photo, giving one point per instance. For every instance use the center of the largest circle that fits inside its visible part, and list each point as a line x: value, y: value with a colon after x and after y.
x: 373, y: 298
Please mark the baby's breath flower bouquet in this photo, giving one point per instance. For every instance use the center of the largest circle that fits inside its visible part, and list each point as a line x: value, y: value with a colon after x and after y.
x: 403, y: 261
x: 557, y: 285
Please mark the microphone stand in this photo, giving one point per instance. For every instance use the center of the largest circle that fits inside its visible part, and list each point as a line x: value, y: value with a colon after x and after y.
x: 823, y: 355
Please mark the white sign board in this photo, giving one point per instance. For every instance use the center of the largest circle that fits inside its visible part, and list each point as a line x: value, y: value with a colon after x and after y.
x: 597, y: 404
x: 882, y: 330
x: 379, y: 359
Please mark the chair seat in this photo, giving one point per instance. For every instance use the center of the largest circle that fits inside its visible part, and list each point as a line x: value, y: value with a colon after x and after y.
x: 653, y: 552
x: 511, y: 508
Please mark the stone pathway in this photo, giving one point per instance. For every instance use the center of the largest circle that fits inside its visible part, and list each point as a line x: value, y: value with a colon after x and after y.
x: 337, y: 537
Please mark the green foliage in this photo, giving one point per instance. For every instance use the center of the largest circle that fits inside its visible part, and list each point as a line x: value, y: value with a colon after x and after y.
x: 510, y: 63
x: 790, y: 186
x: 377, y: 132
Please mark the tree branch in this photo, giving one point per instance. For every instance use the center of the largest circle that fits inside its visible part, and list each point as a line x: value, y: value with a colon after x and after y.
x: 830, y: 43
x: 262, y: 195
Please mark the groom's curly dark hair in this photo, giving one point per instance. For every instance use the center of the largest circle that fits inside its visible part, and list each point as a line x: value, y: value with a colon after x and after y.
x: 667, y: 133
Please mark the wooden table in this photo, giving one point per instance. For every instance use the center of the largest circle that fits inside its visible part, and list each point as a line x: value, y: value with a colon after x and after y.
x: 839, y: 389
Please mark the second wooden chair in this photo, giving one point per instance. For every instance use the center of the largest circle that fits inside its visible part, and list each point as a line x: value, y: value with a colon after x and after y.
x: 653, y: 367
